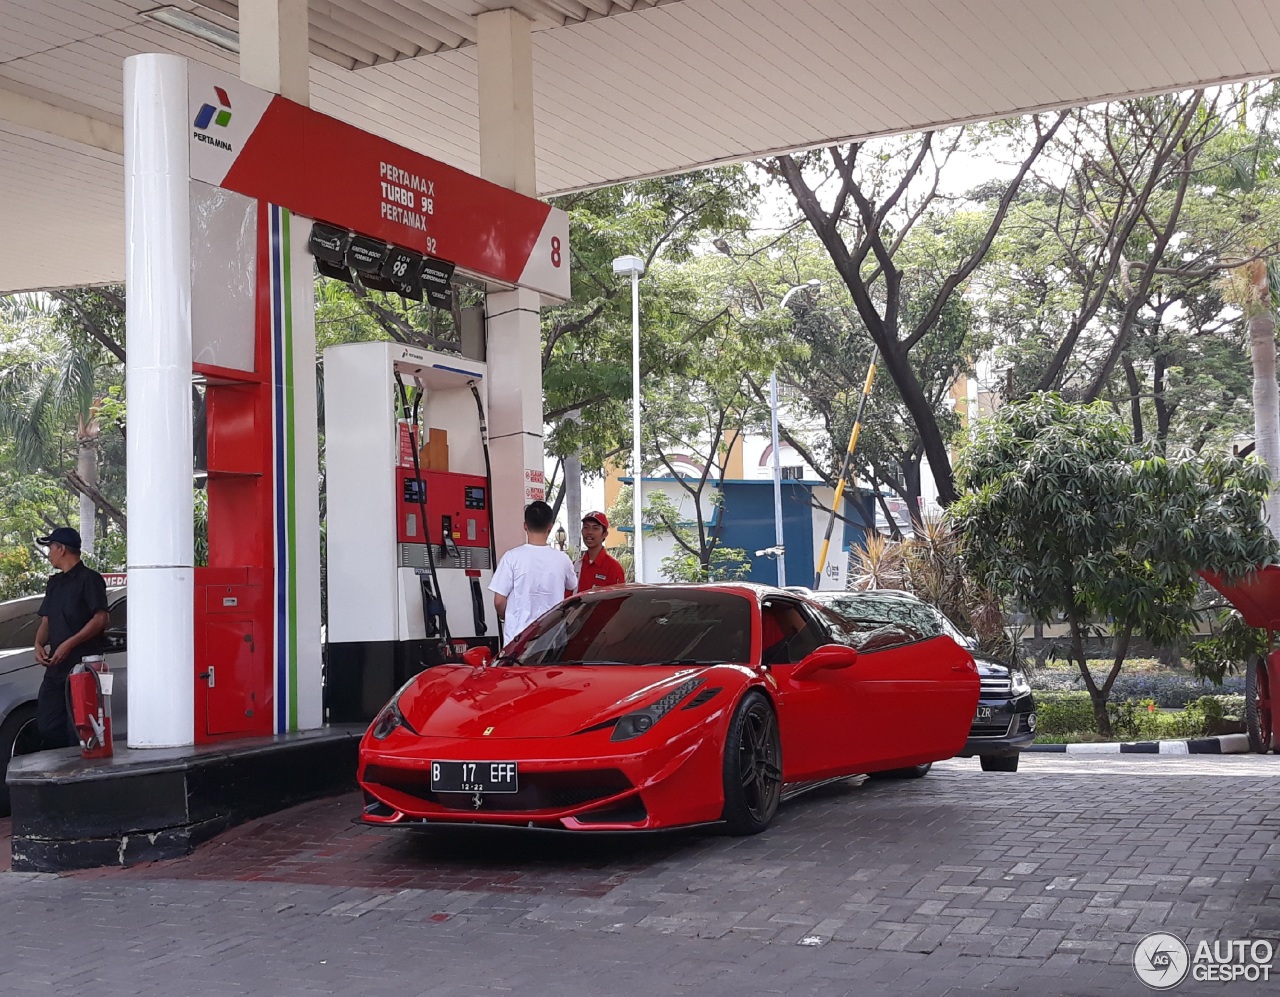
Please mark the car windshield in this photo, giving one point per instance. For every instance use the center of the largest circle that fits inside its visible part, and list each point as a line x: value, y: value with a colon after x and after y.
x: 19, y: 622
x: 639, y: 627
x: 919, y: 618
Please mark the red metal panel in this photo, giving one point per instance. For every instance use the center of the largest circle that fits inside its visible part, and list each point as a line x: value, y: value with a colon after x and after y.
x: 464, y: 498
x: 232, y: 598
x: 325, y: 169
x: 233, y: 700
x: 1257, y: 595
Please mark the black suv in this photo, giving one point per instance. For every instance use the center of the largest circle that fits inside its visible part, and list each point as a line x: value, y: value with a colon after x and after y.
x: 1005, y: 720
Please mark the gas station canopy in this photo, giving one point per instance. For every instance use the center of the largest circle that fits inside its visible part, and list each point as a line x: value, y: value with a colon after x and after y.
x: 623, y: 88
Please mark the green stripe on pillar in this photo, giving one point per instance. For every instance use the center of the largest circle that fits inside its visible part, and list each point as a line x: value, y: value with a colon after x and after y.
x: 290, y: 472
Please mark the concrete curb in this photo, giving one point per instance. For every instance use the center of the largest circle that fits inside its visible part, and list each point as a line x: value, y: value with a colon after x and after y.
x: 1223, y: 744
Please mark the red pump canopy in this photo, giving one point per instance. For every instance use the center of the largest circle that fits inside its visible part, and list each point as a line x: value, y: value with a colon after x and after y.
x: 1256, y: 595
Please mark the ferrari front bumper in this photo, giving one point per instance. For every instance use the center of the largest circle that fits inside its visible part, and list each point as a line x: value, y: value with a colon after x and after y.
x: 583, y: 782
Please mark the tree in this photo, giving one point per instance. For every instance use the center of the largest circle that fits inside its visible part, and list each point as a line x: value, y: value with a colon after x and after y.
x: 823, y: 353
x: 586, y: 355
x: 1249, y: 157
x: 1132, y: 163
x: 1103, y: 282
x: 694, y: 413
x: 1067, y: 515
x: 884, y: 190
x: 63, y: 371
x: 1250, y: 287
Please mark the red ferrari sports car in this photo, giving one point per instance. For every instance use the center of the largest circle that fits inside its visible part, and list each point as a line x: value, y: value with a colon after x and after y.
x: 643, y: 707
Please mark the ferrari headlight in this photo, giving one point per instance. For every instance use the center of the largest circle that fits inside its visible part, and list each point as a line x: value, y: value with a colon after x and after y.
x: 385, y: 722
x: 634, y: 724
x: 1018, y: 683
x: 390, y: 717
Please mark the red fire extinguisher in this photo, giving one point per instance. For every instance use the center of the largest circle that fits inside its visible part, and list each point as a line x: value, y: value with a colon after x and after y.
x: 89, y: 692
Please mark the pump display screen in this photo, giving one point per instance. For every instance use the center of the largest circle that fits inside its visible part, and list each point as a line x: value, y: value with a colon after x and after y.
x: 415, y: 490
x: 474, y: 497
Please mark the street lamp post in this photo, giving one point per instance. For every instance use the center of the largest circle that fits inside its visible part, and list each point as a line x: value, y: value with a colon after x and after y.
x: 633, y: 267
x: 779, y: 546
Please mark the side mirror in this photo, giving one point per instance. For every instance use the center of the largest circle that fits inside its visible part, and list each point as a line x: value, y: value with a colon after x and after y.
x: 477, y: 657
x: 828, y: 656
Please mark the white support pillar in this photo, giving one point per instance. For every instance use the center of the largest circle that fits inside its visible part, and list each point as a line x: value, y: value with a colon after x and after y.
x: 161, y: 553
x: 514, y: 354
x: 274, y: 47
x: 515, y: 407
x: 504, y: 66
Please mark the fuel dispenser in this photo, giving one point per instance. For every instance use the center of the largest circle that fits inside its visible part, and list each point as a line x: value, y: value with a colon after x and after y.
x: 410, y: 531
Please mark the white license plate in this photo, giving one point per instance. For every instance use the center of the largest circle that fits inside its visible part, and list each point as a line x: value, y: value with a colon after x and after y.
x: 474, y: 777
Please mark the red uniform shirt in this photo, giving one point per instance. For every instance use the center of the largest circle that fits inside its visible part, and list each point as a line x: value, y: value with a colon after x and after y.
x: 604, y: 570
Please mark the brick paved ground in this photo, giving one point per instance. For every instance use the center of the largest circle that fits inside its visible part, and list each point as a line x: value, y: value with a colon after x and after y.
x: 960, y: 883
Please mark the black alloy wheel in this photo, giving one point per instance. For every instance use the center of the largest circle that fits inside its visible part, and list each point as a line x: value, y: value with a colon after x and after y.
x: 752, y: 767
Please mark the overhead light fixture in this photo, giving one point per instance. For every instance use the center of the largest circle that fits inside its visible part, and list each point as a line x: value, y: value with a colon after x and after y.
x: 193, y: 24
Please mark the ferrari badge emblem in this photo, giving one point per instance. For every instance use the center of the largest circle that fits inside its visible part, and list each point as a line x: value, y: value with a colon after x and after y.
x: 477, y: 800
x: 488, y: 731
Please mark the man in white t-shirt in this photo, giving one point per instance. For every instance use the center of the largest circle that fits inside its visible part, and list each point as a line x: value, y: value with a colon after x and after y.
x: 533, y: 577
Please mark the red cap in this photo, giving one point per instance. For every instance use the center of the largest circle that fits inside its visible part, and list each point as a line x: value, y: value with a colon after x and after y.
x: 599, y: 517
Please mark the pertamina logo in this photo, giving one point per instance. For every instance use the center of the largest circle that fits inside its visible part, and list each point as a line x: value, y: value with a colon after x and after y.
x: 219, y: 117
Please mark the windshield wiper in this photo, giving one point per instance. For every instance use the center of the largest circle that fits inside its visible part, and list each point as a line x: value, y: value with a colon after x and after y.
x: 695, y: 661
x: 583, y: 661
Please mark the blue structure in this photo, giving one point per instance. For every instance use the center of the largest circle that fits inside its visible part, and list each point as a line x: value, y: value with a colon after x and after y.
x: 745, y: 521
x: 748, y: 524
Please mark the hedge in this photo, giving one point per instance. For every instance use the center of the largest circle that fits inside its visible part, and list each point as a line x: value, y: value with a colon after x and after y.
x: 1061, y: 714
x: 1166, y: 691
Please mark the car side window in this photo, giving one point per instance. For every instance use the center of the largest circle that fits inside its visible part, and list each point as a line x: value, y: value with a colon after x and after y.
x: 868, y: 635
x: 117, y: 620
x: 20, y: 632
x: 789, y: 633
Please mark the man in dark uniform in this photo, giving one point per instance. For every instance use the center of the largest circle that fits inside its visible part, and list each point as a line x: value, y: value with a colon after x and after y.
x: 73, y: 616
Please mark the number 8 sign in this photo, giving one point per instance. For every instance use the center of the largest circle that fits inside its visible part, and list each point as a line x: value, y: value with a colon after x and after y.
x: 548, y: 267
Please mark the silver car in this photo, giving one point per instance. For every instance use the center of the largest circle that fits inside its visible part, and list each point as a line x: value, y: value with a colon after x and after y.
x: 20, y: 676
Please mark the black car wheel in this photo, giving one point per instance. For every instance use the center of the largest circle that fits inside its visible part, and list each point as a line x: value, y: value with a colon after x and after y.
x: 910, y: 772
x: 752, y: 767
x: 18, y: 736
x: 999, y: 763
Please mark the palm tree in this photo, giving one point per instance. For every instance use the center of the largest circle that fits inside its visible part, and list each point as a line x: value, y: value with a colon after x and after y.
x: 43, y: 390
x: 1245, y: 178
x: 1260, y: 316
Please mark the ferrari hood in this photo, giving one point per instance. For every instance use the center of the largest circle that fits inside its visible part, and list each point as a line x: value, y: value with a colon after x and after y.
x: 532, y: 701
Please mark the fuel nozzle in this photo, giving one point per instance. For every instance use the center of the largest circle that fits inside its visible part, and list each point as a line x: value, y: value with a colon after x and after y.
x: 447, y: 547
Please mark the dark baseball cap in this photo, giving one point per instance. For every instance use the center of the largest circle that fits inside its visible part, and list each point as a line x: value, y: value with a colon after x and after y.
x: 64, y: 535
